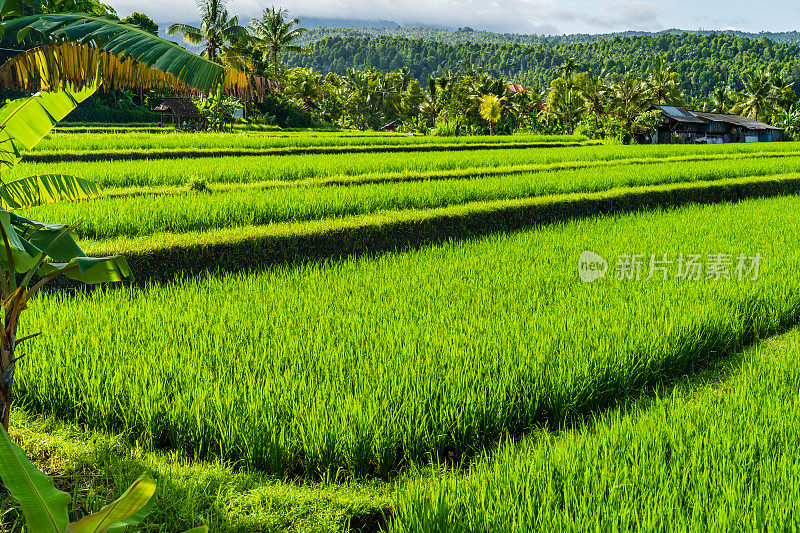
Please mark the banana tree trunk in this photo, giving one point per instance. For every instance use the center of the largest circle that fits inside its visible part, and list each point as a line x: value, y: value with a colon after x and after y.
x: 7, y: 360
x: 13, y: 307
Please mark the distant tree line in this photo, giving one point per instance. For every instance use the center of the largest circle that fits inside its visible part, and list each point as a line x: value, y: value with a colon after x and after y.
x: 605, y: 105
x: 469, y: 35
x: 702, y: 62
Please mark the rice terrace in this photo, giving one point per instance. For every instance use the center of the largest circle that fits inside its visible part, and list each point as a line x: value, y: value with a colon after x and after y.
x: 285, y: 279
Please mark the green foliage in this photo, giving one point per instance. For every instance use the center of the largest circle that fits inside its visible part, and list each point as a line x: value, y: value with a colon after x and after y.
x: 143, y: 21
x: 26, y: 121
x: 273, y: 34
x: 101, y: 109
x: 197, y: 184
x: 218, y: 32
x: 702, y: 62
x: 44, y: 506
x: 73, y: 6
x: 469, y: 36
x: 217, y: 112
x: 699, y: 446
x: 648, y: 122
x: 125, y: 40
x: 613, y: 81
x: 491, y: 107
x: 128, y: 510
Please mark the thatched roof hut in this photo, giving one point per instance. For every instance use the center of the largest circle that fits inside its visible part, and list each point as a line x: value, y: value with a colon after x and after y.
x: 180, y: 109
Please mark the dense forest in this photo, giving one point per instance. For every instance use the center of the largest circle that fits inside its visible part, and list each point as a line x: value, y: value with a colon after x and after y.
x: 469, y: 35
x: 703, y: 62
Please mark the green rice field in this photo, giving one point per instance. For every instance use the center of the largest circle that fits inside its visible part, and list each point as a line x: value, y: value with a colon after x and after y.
x: 425, y: 348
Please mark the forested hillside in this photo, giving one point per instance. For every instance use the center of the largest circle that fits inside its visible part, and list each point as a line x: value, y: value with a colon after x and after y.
x: 376, y: 29
x: 702, y: 61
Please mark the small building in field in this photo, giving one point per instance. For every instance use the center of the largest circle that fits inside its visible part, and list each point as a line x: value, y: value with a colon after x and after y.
x: 681, y: 126
x: 181, y: 112
x: 392, y: 126
x: 515, y: 88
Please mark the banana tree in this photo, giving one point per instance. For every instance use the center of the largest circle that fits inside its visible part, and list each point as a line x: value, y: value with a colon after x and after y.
x: 83, y: 54
x: 45, y: 507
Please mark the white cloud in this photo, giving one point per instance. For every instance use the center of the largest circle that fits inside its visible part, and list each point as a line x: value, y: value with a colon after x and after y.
x: 519, y: 16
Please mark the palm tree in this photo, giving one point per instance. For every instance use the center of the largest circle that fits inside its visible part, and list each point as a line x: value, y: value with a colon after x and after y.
x: 759, y: 100
x: 568, y: 68
x: 593, y: 92
x: 664, y: 84
x: 721, y: 100
x: 218, y: 32
x: 406, y: 76
x: 782, y: 90
x: 629, y: 97
x: 273, y: 34
x: 491, y: 109
x: 429, y: 109
x: 305, y: 85
x: 564, y: 102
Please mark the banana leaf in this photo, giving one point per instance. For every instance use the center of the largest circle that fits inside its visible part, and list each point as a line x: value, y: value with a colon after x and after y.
x: 45, y: 189
x: 126, y: 508
x: 26, y: 121
x: 115, y: 43
x: 30, y: 242
x: 44, y: 506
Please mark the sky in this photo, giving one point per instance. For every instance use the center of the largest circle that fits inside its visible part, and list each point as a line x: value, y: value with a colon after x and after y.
x: 516, y: 16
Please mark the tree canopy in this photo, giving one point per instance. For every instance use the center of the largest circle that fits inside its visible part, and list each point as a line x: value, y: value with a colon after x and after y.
x: 702, y: 62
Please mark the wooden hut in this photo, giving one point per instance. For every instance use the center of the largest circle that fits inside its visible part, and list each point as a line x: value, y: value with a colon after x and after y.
x: 182, y: 112
x: 684, y: 126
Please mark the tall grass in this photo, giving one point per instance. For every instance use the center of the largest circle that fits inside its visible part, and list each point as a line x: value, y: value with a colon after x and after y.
x: 258, y: 140
x: 141, y: 215
x: 716, y: 457
x: 370, y: 363
x: 249, y: 169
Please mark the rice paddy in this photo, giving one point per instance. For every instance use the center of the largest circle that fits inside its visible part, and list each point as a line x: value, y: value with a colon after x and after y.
x: 477, y: 374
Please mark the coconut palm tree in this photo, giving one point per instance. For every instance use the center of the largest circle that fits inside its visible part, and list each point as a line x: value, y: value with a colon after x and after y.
x: 564, y: 102
x: 217, y: 33
x: 665, y: 85
x: 305, y: 85
x: 273, y: 34
x: 783, y: 91
x: 759, y: 100
x: 721, y: 100
x: 593, y: 91
x: 406, y: 76
x: 628, y: 98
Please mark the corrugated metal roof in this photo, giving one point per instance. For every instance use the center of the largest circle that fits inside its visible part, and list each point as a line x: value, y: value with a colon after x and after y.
x: 679, y: 114
x: 735, y: 120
